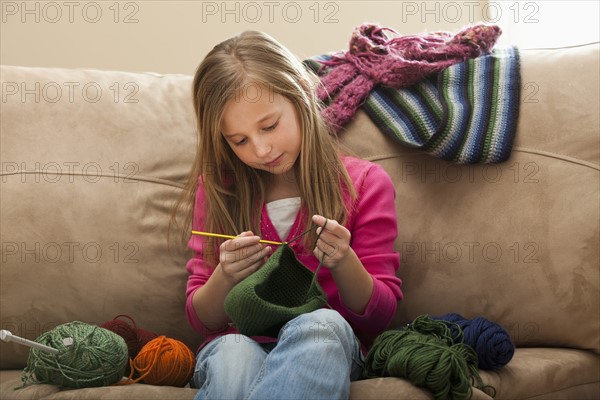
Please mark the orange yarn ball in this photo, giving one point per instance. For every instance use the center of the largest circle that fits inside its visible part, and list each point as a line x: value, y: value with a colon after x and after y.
x: 166, y: 362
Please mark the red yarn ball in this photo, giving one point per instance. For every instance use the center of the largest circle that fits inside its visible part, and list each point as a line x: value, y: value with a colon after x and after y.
x: 144, y: 337
x: 134, y: 337
x: 127, y: 332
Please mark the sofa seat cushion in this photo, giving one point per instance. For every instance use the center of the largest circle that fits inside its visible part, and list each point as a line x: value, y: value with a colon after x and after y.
x: 540, y: 371
x: 11, y: 378
x: 544, y: 373
x: 531, y: 374
x: 397, y: 388
x: 379, y: 388
x: 137, y: 391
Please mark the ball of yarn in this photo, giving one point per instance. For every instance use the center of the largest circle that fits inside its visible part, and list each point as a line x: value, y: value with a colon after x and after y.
x: 166, y: 362
x: 490, y: 341
x: 96, y: 357
x: 127, y: 332
x: 135, y: 337
x: 144, y: 337
x: 425, y: 353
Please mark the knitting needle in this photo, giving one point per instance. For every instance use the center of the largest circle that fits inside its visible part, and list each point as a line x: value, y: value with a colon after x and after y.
x: 9, y: 337
x: 231, y: 237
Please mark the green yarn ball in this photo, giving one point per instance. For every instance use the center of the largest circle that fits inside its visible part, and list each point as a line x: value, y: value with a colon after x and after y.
x: 96, y: 357
x: 426, y: 354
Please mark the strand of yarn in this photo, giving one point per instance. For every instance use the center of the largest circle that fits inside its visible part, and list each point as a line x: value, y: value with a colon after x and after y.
x: 301, y: 234
x: 163, y: 361
x: 490, y: 341
x: 96, y: 357
x: 425, y: 352
x: 314, y: 280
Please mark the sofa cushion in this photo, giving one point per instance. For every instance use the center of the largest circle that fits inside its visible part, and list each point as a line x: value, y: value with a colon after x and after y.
x: 11, y: 379
x: 532, y: 372
x: 136, y: 391
x: 542, y: 371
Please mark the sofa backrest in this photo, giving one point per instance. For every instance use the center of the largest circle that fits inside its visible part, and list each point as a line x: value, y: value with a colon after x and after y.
x: 89, y: 243
x: 92, y: 162
x: 516, y: 242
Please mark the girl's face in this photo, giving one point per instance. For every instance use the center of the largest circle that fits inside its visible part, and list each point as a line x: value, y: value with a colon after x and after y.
x: 262, y: 129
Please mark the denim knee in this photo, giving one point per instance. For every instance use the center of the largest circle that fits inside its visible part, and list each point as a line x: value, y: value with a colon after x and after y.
x: 321, y: 326
x: 234, y: 347
x: 314, y: 357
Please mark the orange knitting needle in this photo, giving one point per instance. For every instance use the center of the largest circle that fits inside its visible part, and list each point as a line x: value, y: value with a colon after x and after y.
x: 231, y: 237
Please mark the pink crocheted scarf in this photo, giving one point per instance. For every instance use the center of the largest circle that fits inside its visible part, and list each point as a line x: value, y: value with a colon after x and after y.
x: 373, y: 59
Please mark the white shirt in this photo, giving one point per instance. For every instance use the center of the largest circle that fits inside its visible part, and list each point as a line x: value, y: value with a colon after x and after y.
x: 283, y: 214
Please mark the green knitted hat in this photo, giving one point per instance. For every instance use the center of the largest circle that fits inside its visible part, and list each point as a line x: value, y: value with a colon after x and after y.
x: 279, y: 291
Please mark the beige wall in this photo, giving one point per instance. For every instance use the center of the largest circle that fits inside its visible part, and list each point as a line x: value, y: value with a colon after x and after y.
x: 173, y: 36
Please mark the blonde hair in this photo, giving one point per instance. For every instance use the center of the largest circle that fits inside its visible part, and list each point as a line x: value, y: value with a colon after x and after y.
x: 234, y: 190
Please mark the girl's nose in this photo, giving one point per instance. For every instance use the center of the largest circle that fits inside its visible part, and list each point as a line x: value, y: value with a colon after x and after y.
x: 262, y: 148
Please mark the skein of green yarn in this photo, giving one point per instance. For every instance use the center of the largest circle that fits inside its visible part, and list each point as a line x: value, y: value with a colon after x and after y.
x: 96, y: 357
x: 425, y: 353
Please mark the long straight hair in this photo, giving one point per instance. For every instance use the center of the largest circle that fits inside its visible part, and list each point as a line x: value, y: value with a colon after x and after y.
x: 234, y: 191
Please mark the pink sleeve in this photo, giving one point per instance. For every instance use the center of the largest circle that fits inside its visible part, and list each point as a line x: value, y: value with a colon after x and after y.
x: 199, y: 271
x: 374, y: 231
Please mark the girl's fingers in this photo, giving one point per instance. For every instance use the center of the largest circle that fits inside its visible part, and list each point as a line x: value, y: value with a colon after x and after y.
x: 245, y: 257
x: 332, y: 225
x: 244, y: 268
x: 259, y: 259
x: 334, y: 240
x: 326, y: 248
x: 249, y: 253
x: 318, y: 220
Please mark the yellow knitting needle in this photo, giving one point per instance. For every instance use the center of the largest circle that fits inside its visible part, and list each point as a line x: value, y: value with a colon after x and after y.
x: 231, y: 237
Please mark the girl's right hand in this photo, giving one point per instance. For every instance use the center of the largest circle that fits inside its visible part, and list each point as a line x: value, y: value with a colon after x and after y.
x: 242, y: 256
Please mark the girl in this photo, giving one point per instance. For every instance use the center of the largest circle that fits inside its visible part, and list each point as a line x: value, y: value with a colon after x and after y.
x: 267, y: 167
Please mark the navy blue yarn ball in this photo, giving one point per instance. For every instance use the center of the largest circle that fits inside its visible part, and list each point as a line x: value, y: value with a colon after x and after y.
x: 490, y: 341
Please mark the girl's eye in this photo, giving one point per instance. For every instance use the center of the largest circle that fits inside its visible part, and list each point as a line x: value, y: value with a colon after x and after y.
x: 270, y: 128
x: 241, y: 142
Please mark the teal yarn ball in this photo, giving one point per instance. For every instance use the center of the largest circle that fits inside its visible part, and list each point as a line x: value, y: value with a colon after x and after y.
x: 96, y: 357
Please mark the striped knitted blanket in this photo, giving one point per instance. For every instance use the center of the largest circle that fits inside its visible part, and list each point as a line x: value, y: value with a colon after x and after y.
x: 466, y: 113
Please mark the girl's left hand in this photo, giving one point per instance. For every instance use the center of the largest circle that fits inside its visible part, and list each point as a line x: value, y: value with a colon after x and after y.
x: 334, y: 242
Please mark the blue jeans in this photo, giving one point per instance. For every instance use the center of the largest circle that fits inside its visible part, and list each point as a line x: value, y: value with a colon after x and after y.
x: 316, y: 357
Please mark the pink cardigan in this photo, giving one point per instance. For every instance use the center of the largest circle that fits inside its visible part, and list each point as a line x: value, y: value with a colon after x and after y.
x: 373, y: 225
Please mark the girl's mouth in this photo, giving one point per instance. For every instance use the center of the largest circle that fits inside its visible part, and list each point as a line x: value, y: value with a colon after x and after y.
x: 275, y: 162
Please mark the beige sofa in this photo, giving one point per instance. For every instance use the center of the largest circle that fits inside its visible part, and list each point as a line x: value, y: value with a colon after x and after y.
x: 92, y: 161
